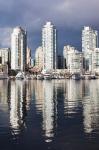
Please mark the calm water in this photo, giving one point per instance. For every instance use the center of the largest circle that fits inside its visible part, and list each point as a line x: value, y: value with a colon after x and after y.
x: 49, y: 115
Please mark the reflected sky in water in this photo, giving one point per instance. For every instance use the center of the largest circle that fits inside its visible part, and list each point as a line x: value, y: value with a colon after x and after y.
x: 55, y: 115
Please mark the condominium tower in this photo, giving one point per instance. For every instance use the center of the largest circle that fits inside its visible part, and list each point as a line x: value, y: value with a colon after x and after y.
x: 73, y: 59
x: 89, y: 39
x: 49, y: 46
x: 39, y: 57
x: 18, y: 49
x: 28, y: 53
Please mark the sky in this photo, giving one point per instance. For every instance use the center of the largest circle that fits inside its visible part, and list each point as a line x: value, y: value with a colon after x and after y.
x: 69, y: 17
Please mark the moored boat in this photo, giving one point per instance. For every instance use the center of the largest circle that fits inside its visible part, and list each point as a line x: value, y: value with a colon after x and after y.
x: 28, y: 77
x: 40, y: 77
x: 20, y: 76
x: 76, y: 76
x: 47, y: 76
x: 12, y: 77
x: 93, y: 77
x: 33, y: 77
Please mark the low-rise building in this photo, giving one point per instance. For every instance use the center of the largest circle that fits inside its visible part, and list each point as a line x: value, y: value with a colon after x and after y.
x: 5, y: 60
x: 4, y: 56
x: 3, y: 69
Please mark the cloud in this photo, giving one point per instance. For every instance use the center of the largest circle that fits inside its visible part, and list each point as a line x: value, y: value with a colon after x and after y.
x: 5, y: 34
x: 59, y: 11
x: 67, y: 15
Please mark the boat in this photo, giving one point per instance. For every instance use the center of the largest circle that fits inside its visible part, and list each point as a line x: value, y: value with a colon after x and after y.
x: 47, y: 76
x: 76, y: 76
x: 20, y: 76
x: 12, y: 77
x: 82, y: 77
x: 67, y: 77
x: 61, y: 77
x: 28, y: 77
x: 40, y: 77
x: 93, y: 77
x: 33, y: 77
x: 54, y: 76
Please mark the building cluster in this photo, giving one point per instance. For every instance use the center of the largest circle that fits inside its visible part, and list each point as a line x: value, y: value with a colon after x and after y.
x: 73, y: 60
x: 88, y: 59
x: 18, y: 58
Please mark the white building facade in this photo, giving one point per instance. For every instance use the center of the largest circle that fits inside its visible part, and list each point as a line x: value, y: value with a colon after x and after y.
x: 18, y: 49
x: 95, y: 61
x: 89, y: 43
x: 89, y: 39
x: 74, y: 59
x: 5, y: 61
x: 49, y: 46
x: 28, y: 53
x: 4, y: 56
x: 39, y: 57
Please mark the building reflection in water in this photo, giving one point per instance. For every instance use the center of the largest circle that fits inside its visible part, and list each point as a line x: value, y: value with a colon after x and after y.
x: 91, y: 106
x: 45, y: 106
x: 3, y: 94
x: 48, y: 110
x: 76, y: 97
x: 39, y: 95
x: 4, y: 116
x: 73, y: 97
x: 52, y: 100
x: 29, y: 93
x: 19, y: 104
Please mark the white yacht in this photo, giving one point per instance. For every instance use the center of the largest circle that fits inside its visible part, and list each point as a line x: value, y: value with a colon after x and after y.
x: 20, y: 76
x: 76, y: 76
x: 40, y: 77
x: 28, y: 77
x: 47, y: 76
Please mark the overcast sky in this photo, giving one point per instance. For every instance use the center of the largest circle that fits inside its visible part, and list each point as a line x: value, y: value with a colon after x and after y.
x: 69, y: 17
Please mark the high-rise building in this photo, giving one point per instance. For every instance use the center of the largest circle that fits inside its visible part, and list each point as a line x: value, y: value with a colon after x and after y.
x: 49, y: 46
x: 89, y: 43
x: 89, y: 39
x: 39, y: 57
x: 66, y: 50
x: 95, y: 61
x: 18, y: 49
x: 28, y: 58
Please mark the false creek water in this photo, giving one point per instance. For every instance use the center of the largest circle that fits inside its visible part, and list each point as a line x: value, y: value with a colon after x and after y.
x: 49, y: 115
